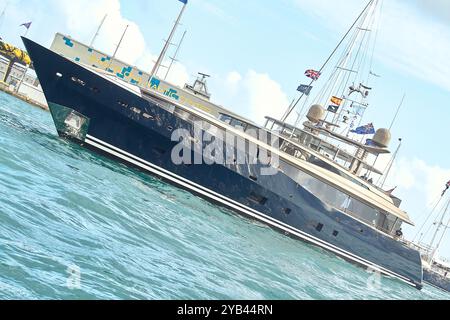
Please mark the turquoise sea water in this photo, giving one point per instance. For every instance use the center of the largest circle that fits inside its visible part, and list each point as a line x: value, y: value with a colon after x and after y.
x: 74, y: 225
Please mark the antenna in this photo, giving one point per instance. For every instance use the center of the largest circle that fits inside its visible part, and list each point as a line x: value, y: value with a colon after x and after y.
x: 204, y: 75
x: 98, y: 30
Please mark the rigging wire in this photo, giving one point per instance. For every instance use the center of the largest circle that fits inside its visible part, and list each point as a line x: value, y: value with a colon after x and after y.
x: 346, y: 83
x: 441, y: 239
x: 376, y: 41
x: 426, y: 221
x: 289, y: 111
x: 440, y: 224
x: 360, y: 70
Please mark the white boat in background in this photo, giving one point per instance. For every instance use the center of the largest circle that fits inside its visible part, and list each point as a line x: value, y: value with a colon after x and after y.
x: 436, y: 270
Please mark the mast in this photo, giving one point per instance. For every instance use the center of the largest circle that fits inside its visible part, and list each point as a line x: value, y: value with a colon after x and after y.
x: 174, y: 58
x: 98, y: 31
x: 291, y: 108
x: 118, y: 47
x: 168, y: 42
x: 438, y: 229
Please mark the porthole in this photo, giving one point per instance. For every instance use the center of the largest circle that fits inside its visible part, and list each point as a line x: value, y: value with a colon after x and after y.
x: 319, y: 227
x: 136, y: 110
x: 78, y: 81
x: 122, y: 104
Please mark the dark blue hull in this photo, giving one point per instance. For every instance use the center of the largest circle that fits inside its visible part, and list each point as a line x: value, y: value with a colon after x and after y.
x: 114, y: 127
x: 436, y: 280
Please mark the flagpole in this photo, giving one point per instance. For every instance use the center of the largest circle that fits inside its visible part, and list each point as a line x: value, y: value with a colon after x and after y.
x: 167, y: 44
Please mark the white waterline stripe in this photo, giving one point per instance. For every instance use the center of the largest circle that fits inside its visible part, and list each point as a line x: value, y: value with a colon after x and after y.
x: 231, y: 203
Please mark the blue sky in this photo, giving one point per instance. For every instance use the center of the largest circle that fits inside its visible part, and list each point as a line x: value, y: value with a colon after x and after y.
x: 257, y: 52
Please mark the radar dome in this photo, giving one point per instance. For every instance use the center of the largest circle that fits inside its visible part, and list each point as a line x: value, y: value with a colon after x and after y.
x: 382, y: 137
x: 316, y: 113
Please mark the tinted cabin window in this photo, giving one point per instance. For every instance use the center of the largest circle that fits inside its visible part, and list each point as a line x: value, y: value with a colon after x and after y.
x: 225, y: 118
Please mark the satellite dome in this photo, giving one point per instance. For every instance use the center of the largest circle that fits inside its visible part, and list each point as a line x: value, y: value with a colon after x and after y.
x: 316, y: 113
x: 382, y: 137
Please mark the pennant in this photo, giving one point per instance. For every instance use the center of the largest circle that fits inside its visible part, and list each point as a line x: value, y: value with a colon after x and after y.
x: 337, y: 101
x: 313, y: 74
x: 333, y: 109
x: 26, y: 25
x: 184, y: 1
x: 367, y: 129
x: 390, y: 192
x: 305, y: 89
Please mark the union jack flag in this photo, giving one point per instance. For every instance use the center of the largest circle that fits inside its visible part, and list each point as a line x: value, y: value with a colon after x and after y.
x: 313, y: 74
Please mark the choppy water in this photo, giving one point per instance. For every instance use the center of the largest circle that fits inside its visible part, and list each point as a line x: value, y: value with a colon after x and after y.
x: 134, y: 237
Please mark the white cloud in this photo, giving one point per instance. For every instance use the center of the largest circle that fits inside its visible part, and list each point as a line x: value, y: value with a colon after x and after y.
x: 232, y: 82
x: 266, y: 97
x: 417, y: 175
x: 178, y: 74
x: 254, y: 95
